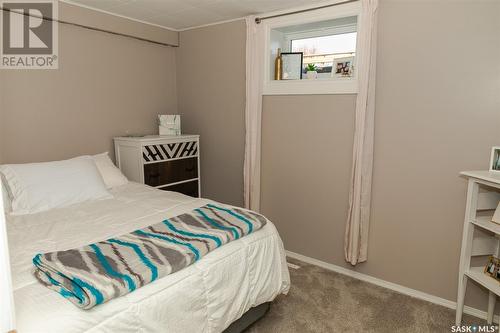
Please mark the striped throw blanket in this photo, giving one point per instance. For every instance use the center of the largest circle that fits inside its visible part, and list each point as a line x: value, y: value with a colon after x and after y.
x: 96, y: 273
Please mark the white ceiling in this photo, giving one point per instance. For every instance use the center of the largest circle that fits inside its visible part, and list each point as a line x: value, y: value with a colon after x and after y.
x: 183, y: 14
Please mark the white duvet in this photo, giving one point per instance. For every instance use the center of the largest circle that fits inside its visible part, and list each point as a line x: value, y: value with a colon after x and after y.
x: 204, y: 297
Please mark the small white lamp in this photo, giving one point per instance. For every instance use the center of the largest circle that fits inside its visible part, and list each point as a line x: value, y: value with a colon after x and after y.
x: 7, y: 315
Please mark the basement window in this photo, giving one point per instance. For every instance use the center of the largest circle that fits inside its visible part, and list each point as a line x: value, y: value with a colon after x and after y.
x: 323, y: 52
x: 319, y: 50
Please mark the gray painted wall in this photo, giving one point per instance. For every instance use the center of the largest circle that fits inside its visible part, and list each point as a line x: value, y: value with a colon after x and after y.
x: 106, y: 86
x: 211, y: 94
x: 437, y: 114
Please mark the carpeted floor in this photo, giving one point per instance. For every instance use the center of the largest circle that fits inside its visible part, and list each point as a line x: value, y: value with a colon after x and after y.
x: 323, y: 301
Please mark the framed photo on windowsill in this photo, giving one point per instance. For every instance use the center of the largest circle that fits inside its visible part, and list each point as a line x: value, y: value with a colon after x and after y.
x: 292, y: 65
x: 343, y: 67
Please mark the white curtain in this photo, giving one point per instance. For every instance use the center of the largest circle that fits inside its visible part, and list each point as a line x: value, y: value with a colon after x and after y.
x: 253, y: 114
x: 356, y: 235
x: 7, y: 319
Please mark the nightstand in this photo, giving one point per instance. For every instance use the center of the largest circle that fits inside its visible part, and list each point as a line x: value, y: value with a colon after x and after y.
x: 169, y: 163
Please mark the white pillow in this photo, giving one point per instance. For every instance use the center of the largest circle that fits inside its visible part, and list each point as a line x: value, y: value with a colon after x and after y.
x: 36, y: 187
x: 111, y: 175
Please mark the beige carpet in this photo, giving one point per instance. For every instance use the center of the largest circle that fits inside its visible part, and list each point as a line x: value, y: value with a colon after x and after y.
x: 323, y: 301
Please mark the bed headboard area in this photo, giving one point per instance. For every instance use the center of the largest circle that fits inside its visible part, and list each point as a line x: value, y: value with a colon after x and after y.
x: 106, y: 85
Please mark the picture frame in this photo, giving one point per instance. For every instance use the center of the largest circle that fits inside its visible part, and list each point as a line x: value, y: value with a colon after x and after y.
x: 492, y: 268
x: 495, y: 159
x: 343, y: 67
x: 292, y: 65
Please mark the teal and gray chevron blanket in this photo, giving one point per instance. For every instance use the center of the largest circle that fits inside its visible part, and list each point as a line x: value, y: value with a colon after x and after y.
x: 96, y: 273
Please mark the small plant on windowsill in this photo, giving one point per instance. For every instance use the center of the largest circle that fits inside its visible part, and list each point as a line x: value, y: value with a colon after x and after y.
x: 311, y: 71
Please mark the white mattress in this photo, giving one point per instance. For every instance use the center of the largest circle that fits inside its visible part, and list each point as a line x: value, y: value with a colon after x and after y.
x: 204, y: 297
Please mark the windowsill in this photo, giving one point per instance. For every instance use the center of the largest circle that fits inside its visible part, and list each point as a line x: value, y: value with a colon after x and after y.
x: 311, y: 87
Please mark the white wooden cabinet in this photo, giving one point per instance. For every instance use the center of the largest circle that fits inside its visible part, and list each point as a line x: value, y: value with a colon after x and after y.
x: 480, y: 237
x: 168, y: 163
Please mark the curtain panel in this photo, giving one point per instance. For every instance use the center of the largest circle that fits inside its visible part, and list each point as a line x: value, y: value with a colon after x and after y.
x: 253, y: 114
x: 358, y: 220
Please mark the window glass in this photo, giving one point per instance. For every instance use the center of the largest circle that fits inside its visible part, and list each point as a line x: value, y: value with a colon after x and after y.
x: 323, y: 51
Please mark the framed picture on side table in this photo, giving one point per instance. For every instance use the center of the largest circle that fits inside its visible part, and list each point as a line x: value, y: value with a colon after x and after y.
x: 495, y: 160
x: 491, y: 268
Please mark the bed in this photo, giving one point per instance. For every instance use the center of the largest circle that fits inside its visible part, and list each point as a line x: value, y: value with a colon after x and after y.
x: 207, y: 296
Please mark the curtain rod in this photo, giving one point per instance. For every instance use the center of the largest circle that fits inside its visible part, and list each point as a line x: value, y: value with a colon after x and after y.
x: 260, y: 19
x: 90, y: 28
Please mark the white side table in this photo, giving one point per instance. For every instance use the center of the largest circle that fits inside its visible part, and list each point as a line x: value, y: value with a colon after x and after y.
x: 479, y: 237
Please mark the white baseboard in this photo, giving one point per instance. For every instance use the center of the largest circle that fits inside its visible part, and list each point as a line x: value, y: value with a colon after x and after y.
x: 389, y: 285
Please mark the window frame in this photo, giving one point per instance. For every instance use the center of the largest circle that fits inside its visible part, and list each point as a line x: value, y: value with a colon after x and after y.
x: 318, y: 86
x: 339, y: 30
